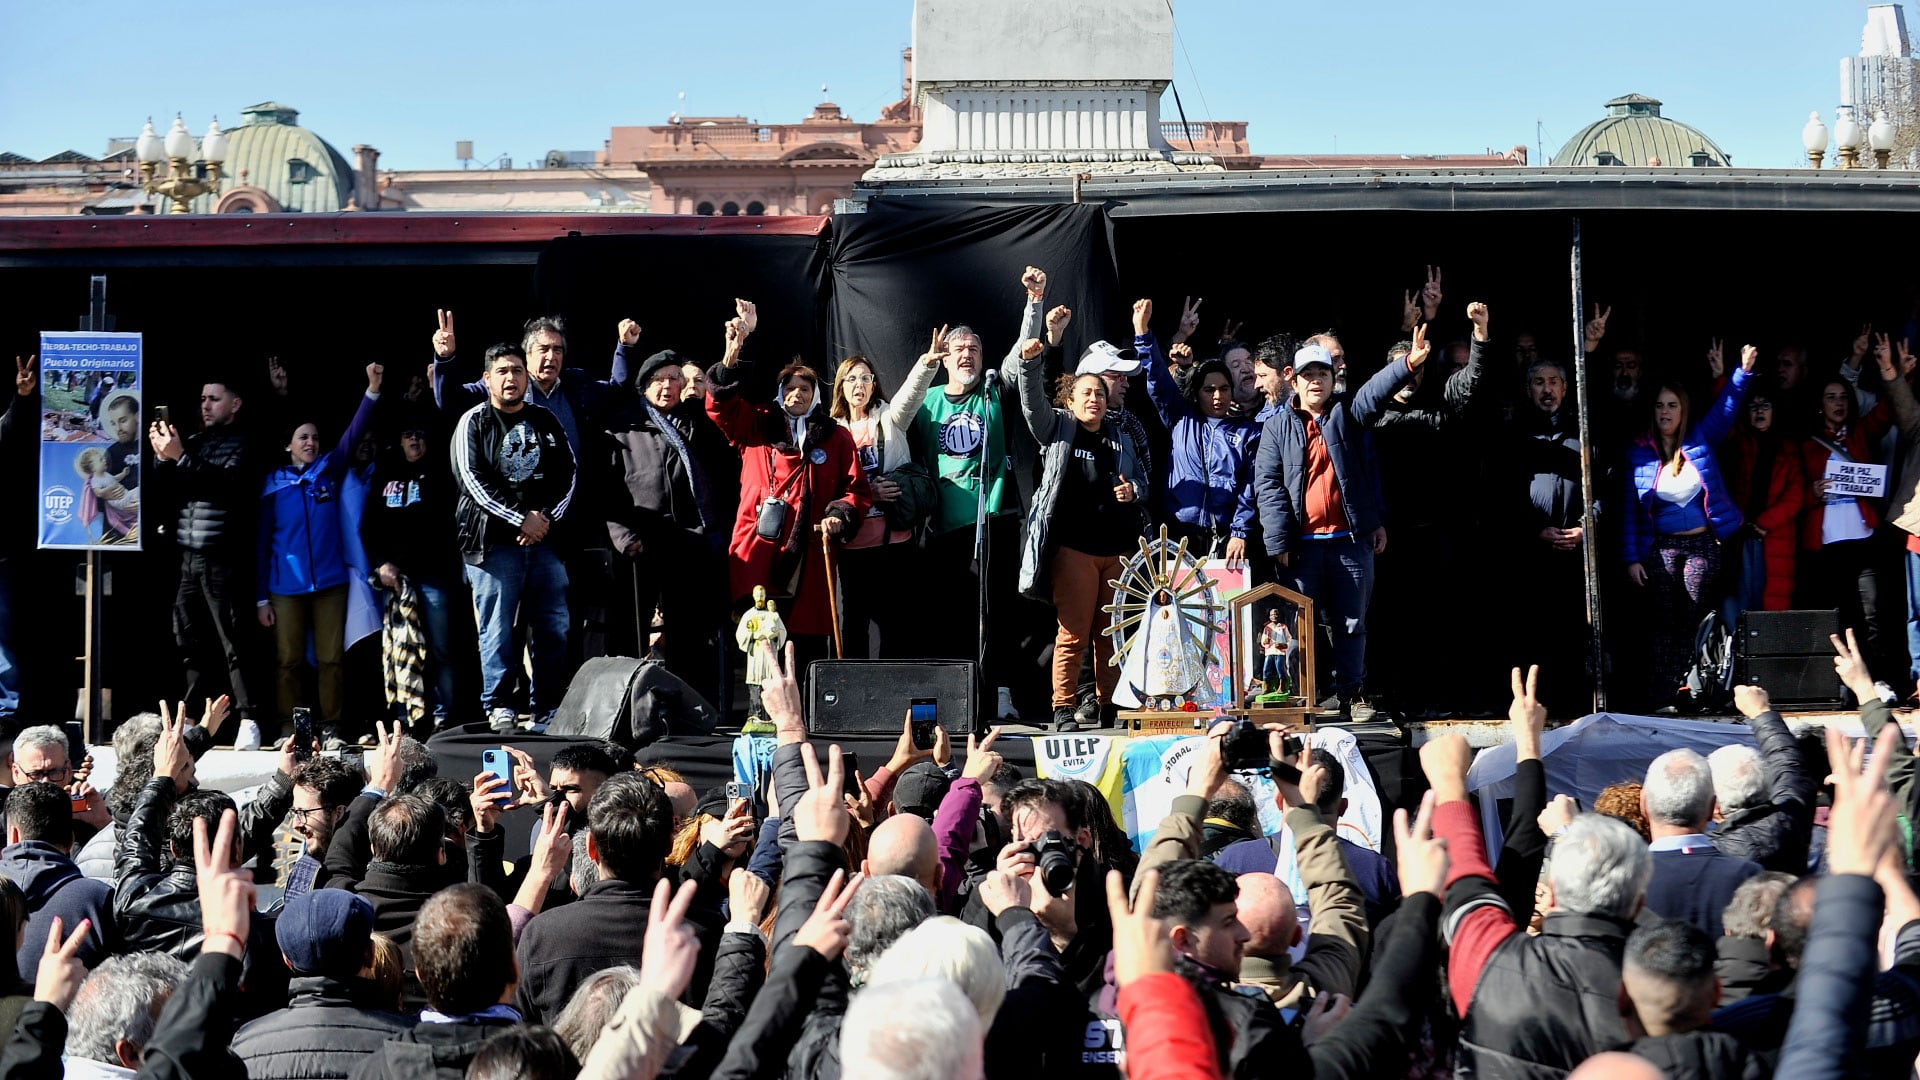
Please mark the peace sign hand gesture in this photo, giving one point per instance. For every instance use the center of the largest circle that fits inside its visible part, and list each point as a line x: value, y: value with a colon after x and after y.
x: 1597, y: 327
x: 25, y: 377
x: 1430, y: 293
x: 443, y: 337
x: 1189, y: 318
x: 981, y: 760
x: 1716, y: 359
x: 936, y: 353
x: 1883, y: 356
x: 1421, y: 348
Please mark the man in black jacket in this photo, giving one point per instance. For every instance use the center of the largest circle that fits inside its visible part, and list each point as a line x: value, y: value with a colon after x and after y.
x: 323, y: 1034
x: 629, y: 829
x: 1667, y: 995
x: 668, y: 524
x: 515, y: 475
x: 1765, y: 797
x: 1538, y: 504
x: 463, y: 957
x: 156, y: 904
x: 407, y: 834
x: 219, y: 490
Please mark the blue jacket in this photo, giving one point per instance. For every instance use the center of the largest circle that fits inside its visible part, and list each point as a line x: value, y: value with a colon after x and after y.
x: 1210, y: 481
x: 1643, y: 471
x: 301, y: 545
x: 1280, y: 469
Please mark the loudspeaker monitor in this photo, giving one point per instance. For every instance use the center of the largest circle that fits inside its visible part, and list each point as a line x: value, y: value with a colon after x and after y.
x: 1788, y: 654
x: 870, y: 697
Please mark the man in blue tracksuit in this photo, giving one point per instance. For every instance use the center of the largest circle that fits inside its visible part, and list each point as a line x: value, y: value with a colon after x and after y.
x: 1319, y: 499
x: 1209, y: 492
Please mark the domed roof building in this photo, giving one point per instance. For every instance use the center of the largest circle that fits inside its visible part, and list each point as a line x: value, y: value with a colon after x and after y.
x: 274, y: 165
x: 1634, y: 133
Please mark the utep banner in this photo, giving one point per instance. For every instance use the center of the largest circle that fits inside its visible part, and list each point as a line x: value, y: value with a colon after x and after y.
x: 91, y: 432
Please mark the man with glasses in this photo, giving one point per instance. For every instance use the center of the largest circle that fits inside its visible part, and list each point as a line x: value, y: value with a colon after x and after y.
x: 40, y: 757
x: 323, y: 788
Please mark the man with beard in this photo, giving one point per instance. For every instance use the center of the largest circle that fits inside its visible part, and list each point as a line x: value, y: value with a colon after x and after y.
x: 323, y: 789
x: 1542, y: 502
x: 964, y: 432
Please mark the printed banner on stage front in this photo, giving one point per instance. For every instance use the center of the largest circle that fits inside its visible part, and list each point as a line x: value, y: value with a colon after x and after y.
x: 91, y: 433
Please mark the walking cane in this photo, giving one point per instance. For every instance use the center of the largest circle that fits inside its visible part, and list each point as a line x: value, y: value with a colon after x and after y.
x: 833, y: 590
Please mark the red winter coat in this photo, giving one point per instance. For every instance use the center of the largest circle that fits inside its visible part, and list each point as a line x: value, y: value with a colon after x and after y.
x: 1786, y: 493
x: 824, y: 480
x: 1859, y: 443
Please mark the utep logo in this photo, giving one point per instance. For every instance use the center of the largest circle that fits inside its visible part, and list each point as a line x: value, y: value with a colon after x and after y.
x: 1071, y: 755
x: 57, y: 501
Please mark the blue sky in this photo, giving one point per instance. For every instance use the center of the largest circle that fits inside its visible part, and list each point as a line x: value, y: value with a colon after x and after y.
x: 412, y: 76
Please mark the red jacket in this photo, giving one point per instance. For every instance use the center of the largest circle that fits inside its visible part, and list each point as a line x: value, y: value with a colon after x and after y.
x: 1786, y: 493
x: 822, y: 480
x: 1813, y: 462
x: 1167, y: 1033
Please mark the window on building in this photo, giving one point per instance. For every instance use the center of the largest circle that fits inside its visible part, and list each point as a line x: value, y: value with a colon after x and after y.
x: 732, y: 209
x: 756, y: 208
x: 1605, y: 157
x: 705, y: 209
x: 299, y: 171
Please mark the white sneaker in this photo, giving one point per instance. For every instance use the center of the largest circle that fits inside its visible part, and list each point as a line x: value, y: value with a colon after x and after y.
x: 1006, y: 710
x: 503, y: 720
x: 248, y: 737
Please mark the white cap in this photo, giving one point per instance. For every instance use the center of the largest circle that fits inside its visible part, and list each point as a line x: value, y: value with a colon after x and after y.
x: 1312, y: 354
x: 1101, y: 357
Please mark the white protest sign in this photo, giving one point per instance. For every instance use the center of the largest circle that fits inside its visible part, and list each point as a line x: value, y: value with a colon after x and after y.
x: 1859, y: 479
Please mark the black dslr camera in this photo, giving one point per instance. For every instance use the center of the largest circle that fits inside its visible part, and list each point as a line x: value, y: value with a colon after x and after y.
x: 1056, y: 857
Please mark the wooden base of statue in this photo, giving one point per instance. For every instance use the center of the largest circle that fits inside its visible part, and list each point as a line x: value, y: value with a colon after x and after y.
x: 1246, y: 617
x: 1173, y: 722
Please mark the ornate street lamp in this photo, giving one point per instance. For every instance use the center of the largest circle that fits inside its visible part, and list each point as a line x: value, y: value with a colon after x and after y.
x: 182, y: 184
x: 1848, y: 138
x: 1814, y: 138
x: 1880, y: 139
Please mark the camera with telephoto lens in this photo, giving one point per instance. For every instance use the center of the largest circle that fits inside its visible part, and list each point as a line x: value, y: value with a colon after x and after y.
x: 1245, y: 745
x: 1056, y: 856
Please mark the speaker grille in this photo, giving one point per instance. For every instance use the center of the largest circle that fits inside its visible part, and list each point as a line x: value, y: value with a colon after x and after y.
x: 870, y: 697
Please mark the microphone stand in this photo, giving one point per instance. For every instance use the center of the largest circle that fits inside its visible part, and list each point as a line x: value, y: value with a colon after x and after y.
x: 981, y: 553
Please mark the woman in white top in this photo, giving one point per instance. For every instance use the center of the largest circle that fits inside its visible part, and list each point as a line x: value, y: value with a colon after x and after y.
x: 878, y: 560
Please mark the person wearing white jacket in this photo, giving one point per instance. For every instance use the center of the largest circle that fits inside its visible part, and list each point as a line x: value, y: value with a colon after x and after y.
x: 874, y: 623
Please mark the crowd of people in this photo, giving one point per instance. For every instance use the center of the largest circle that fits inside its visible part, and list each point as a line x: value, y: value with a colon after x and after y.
x: 525, y: 505
x: 1727, y: 917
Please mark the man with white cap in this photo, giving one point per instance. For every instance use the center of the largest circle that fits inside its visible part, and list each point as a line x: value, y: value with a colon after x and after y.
x: 1318, y: 498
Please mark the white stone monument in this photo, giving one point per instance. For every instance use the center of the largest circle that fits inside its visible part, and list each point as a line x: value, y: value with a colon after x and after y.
x: 1014, y: 88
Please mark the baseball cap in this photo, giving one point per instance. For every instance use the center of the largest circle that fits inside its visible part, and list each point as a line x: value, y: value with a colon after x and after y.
x: 1312, y: 354
x: 920, y: 789
x: 325, y: 932
x: 1102, y: 357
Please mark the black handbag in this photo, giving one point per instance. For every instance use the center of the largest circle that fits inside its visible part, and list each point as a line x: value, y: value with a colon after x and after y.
x: 919, y: 493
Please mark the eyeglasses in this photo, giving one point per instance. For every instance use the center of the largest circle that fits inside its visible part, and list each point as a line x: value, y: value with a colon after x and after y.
x: 858, y: 380
x: 300, y: 814
x: 42, y: 776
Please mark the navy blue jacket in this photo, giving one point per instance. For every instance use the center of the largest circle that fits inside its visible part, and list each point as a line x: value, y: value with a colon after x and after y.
x: 54, y: 889
x: 1209, y: 481
x: 1280, y: 470
x: 1644, y: 465
x: 1695, y: 886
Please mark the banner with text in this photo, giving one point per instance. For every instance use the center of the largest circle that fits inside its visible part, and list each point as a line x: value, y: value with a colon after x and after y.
x: 91, y: 434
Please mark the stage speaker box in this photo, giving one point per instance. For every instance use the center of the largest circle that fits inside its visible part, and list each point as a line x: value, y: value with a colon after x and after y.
x: 870, y: 697
x: 1787, y: 653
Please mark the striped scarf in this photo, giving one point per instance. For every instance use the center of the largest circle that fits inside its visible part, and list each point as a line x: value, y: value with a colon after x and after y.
x: 403, y: 651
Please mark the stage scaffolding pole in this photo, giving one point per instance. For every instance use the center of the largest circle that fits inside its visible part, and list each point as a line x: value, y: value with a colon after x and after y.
x: 1589, y: 551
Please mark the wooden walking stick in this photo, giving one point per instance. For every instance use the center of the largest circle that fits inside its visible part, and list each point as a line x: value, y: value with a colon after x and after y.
x: 833, y: 591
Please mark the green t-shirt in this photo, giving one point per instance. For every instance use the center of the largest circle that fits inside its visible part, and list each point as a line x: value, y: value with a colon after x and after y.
x: 949, y: 433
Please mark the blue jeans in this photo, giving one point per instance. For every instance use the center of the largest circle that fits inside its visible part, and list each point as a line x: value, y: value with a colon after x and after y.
x: 533, y: 582
x: 1338, y: 576
x: 9, y: 663
x: 1913, y: 615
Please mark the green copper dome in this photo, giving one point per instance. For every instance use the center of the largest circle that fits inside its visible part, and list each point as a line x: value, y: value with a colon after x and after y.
x: 1634, y: 133
x: 299, y: 169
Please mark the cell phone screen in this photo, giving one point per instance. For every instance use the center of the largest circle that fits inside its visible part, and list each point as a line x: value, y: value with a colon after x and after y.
x: 923, y: 717
x: 302, y: 734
